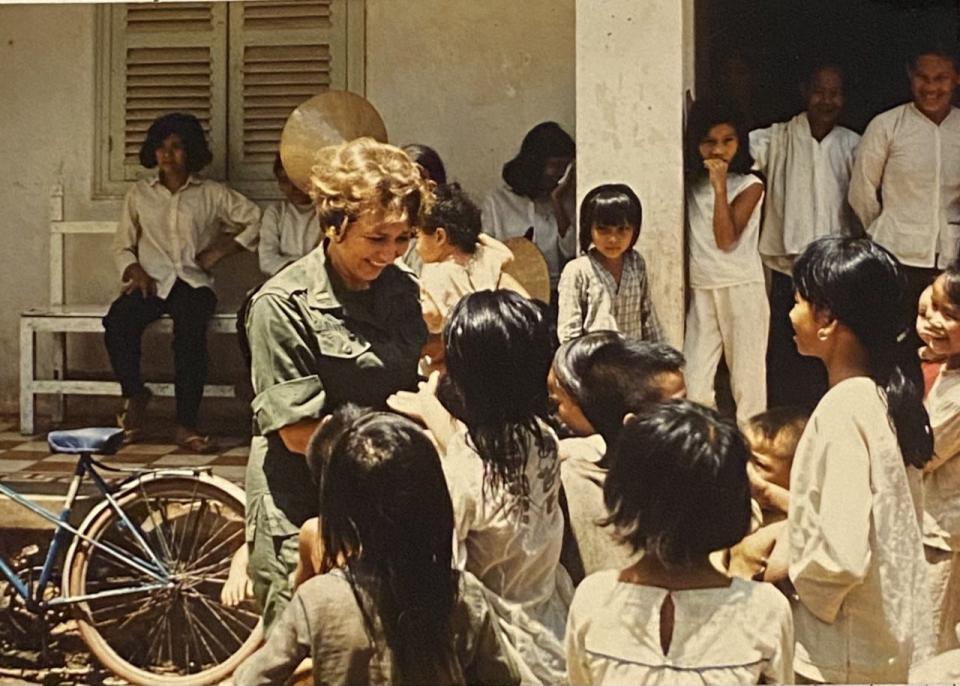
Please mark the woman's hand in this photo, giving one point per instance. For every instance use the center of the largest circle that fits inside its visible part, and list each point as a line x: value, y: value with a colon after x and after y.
x: 717, y: 171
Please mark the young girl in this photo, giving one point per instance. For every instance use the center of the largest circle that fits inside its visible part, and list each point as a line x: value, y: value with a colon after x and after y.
x: 289, y: 229
x: 503, y: 471
x: 457, y: 258
x: 389, y: 607
x: 729, y: 313
x: 855, y: 550
x: 941, y: 482
x: 606, y: 287
x: 594, y: 382
x: 677, y: 490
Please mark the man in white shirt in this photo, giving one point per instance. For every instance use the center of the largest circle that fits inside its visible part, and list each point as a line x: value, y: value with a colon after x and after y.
x: 168, y: 239
x: 906, y: 180
x: 807, y: 162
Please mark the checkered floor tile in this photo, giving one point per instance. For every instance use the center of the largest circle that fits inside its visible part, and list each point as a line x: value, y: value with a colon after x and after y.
x: 28, y: 459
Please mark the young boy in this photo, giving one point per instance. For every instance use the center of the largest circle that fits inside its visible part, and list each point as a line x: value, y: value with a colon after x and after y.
x: 289, y: 229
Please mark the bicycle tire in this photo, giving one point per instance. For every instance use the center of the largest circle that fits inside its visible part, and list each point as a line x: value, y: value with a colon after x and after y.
x: 181, y: 634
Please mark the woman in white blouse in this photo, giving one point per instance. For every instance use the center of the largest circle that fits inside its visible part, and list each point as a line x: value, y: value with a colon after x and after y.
x: 855, y: 550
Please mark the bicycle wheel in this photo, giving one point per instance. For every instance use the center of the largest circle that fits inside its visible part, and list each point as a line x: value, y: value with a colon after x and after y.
x: 154, y: 628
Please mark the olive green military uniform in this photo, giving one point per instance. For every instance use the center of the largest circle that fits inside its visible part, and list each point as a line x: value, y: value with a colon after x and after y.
x: 315, y: 345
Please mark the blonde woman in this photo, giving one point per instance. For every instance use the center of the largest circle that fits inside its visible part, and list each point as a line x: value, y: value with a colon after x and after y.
x: 342, y: 324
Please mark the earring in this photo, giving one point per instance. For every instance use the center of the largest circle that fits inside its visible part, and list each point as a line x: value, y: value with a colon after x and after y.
x: 822, y: 335
x: 331, y: 232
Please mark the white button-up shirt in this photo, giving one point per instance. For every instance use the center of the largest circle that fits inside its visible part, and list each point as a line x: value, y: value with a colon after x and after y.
x: 807, y: 183
x: 164, y: 231
x: 906, y: 185
x: 287, y: 233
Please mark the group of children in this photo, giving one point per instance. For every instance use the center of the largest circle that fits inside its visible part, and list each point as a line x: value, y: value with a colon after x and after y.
x: 566, y: 515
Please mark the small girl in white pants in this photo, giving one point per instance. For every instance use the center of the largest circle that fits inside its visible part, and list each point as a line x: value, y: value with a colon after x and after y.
x: 728, y: 313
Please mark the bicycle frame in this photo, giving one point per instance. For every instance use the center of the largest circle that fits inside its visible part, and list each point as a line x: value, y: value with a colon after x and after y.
x: 66, y: 532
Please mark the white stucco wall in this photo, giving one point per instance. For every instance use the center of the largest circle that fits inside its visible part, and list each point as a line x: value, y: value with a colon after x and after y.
x: 633, y: 66
x: 468, y: 77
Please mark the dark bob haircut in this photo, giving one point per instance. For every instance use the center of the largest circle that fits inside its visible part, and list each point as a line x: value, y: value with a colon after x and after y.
x: 191, y: 134
x: 612, y: 204
x: 861, y: 285
x: 951, y: 282
x: 428, y: 160
x: 455, y: 213
x: 677, y: 487
x: 609, y: 375
x: 522, y: 174
x: 703, y: 116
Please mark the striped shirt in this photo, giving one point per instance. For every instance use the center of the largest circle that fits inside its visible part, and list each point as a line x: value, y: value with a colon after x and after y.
x: 591, y: 300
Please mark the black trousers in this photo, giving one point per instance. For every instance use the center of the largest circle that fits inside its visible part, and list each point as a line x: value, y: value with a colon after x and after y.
x: 191, y: 310
x: 792, y: 378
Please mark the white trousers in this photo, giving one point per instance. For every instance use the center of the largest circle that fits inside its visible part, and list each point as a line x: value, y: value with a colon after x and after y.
x: 732, y: 321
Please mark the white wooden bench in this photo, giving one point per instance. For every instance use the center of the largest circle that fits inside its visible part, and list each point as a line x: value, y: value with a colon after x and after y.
x: 60, y: 319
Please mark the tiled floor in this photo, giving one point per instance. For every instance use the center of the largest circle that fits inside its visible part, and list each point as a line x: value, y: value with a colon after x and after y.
x: 27, y: 459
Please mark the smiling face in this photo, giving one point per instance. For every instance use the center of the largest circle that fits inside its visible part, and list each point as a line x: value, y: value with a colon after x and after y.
x: 366, y: 246
x: 943, y: 317
x: 825, y: 98
x: 720, y: 143
x: 172, y: 156
x: 932, y: 82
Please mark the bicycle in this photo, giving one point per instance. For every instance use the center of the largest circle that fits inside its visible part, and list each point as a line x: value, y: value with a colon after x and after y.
x: 144, y: 569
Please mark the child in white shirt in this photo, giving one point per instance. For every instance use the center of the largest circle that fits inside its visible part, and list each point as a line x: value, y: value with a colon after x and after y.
x: 729, y: 312
x: 289, y: 229
x: 676, y: 491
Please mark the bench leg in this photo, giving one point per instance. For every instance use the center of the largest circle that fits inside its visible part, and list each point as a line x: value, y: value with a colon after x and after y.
x: 59, y: 373
x: 26, y: 377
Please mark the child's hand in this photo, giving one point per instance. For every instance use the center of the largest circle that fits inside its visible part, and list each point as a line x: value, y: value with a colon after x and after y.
x: 425, y: 407
x: 717, y: 171
x: 769, y: 495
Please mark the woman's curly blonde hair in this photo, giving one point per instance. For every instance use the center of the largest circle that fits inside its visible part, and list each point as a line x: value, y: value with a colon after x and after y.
x: 363, y: 175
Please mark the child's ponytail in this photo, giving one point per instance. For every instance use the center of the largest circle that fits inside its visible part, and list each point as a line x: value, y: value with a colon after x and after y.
x: 862, y: 285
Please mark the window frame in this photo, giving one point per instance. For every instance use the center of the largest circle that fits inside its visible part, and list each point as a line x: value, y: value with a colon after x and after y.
x: 105, y: 184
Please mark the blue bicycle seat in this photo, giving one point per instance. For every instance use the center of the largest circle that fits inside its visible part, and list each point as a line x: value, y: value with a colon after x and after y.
x: 100, y: 440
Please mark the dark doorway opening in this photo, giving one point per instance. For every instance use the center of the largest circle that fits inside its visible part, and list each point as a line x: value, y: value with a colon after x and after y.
x: 760, y: 50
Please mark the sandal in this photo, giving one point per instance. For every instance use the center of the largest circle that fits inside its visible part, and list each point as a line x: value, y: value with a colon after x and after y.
x: 197, y: 443
x: 134, y: 415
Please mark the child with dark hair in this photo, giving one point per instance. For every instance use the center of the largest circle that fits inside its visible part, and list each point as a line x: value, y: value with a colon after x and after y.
x: 677, y: 491
x: 290, y: 228
x: 503, y: 471
x: 729, y: 314
x: 432, y: 170
x: 457, y: 258
x: 595, y: 381
x: 388, y: 607
x: 168, y: 239
x: 855, y: 549
x: 537, y: 198
x: 941, y: 481
x: 606, y: 287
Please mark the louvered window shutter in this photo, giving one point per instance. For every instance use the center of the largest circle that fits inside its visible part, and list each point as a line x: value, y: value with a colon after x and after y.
x: 281, y: 53
x: 167, y: 58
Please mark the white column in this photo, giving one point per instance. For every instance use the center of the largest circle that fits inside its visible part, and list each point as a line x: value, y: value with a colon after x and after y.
x: 634, y: 67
